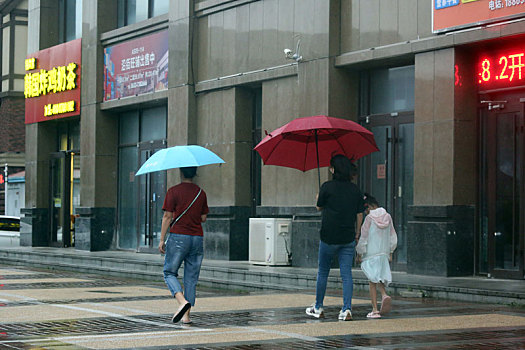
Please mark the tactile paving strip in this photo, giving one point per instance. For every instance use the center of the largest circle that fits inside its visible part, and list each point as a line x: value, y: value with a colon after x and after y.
x: 31, y: 276
x: 205, y: 320
x: 51, y: 285
x: 474, y: 340
x: 76, y: 301
x: 106, y: 325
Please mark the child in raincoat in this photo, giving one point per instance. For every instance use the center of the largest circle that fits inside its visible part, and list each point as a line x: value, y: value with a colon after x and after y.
x: 377, y: 243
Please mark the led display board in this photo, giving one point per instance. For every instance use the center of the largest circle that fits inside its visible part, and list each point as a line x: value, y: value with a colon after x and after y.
x: 52, y: 82
x: 456, y: 14
x: 501, y: 69
x: 136, y: 67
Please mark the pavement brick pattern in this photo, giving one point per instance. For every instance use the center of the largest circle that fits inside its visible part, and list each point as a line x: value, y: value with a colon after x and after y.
x: 48, y: 310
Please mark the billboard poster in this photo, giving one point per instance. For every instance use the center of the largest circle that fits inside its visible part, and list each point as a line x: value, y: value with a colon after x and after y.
x: 136, y: 67
x: 457, y: 14
x: 52, y: 82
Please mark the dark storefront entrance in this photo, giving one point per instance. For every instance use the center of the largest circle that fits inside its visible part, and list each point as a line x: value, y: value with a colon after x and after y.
x: 502, y: 190
x: 64, y: 185
x: 151, y: 192
x: 389, y: 174
x: 142, y: 132
x: 387, y: 107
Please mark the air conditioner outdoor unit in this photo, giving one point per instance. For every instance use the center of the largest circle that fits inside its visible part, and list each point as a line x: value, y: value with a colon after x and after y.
x: 270, y: 241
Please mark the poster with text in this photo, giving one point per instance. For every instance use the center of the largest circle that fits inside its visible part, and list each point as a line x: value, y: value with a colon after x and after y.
x: 52, y: 82
x: 458, y: 14
x: 136, y: 67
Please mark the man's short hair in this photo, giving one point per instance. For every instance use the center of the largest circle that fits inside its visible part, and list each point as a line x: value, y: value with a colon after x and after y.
x: 189, y: 172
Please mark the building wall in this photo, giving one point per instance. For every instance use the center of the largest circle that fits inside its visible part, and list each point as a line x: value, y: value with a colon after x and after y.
x: 372, y: 23
x: 12, y: 127
x: 253, y: 36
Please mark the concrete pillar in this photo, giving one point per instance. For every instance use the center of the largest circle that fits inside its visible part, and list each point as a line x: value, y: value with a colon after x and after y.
x: 327, y: 90
x: 95, y: 228
x: 40, y: 137
x: 181, y: 91
x: 441, y: 230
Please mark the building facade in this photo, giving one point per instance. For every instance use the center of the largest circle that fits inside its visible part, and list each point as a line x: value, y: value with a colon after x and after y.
x: 162, y: 73
x: 13, y: 46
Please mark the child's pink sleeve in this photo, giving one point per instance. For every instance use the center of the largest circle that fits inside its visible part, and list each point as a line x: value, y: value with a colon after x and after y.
x: 363, y: 240
x: 393, y: 237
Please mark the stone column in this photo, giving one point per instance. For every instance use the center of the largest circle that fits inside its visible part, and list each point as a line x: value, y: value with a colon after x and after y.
x: 40, y: 137
x: 181, y: 89
x: 95, y: 228
x: 327, y: 90
x: 441, y: 228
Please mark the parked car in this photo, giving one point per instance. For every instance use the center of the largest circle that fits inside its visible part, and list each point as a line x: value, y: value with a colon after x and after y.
x: 9, y: 231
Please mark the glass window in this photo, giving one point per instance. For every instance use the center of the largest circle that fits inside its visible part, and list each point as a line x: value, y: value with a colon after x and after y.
x: 136, y: 10
x: 133, y: 11
x: 153, y: 124
x: 160, y: 7
x: 392, y: 90
x: 129, y: 128
x: 70, y: 19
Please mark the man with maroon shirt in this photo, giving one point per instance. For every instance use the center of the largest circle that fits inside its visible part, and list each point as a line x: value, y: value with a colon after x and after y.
x: 187, y: 206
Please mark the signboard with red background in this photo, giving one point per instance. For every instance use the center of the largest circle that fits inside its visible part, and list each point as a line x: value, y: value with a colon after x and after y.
x: 52, y: 82
x: 136, y: 67
x: 456, y: 14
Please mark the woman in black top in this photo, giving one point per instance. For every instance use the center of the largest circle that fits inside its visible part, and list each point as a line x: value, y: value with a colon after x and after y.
x: 342, y: 206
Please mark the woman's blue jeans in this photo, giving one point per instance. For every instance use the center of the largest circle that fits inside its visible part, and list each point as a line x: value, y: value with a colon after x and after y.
x: 345, y: 253
x: 185, y: 248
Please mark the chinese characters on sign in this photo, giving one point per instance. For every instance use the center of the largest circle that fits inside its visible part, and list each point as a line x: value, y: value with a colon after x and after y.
x: 456, y: 14
x: 136, y: 67
x: 58, y: 79
x: 501, y: 70
x: 441, y: 4
x: 52, y: 82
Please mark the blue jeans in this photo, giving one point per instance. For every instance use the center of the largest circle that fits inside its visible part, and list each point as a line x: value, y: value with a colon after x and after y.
x: 345, y: 254
x: 185, y: 248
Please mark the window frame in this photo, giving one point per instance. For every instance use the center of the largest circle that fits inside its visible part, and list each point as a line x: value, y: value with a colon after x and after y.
x: 122, y: 12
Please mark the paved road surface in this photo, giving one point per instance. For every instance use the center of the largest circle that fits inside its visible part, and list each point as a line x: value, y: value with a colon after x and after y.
x: 58, y: 310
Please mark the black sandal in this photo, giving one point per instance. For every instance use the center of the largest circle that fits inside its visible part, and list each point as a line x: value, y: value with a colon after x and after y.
x: 177, y: 317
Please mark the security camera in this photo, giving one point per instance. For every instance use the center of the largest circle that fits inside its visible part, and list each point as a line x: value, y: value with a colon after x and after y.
x: 288, y: 53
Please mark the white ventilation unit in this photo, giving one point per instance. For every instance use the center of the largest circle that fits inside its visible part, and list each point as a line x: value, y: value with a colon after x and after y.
x: 270, y: 241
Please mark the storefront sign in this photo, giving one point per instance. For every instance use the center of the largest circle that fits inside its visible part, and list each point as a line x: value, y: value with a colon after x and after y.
x: 501, y: 69
x: 136, y: 67
x: 457, y: 14
x: 52, y: 82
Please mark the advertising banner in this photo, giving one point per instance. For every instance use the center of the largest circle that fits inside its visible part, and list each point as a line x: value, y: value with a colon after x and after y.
x: 52, y: 82
x: 457, y: 14
x: 136, y: 67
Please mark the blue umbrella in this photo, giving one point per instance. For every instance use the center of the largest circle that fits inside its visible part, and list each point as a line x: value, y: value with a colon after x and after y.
x: 179, y: 157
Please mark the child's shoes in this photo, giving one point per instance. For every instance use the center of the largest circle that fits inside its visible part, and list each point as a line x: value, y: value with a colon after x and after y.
x: 373, y: 314
x: 386, y: 305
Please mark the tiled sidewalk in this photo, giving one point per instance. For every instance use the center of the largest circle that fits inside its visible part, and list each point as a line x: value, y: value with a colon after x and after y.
x: 71, y: 311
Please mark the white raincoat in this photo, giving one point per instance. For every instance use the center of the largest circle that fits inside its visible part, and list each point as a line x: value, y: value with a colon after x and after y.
x: 378, y: 240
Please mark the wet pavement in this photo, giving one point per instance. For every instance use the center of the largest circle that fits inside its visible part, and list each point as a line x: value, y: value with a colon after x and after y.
x: 58, y: 310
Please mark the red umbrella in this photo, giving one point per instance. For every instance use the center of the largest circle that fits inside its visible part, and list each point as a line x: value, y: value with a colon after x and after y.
x: 310, y: 142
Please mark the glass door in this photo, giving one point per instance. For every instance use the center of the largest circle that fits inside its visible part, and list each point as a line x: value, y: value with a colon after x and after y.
x: 388, y: 174
x: 151, y: 192
x: 504, y: 191
x: 60, y: 219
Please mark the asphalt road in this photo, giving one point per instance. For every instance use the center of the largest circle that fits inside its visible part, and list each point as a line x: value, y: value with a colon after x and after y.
x: 59, y: 310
